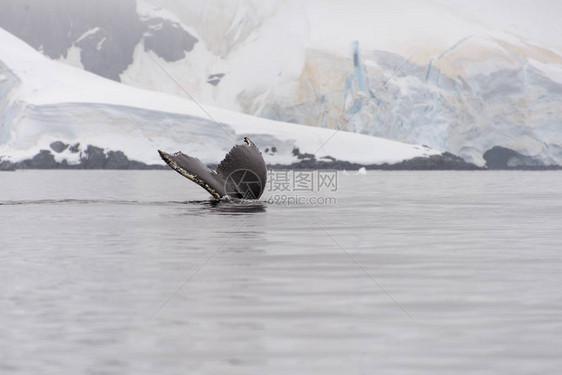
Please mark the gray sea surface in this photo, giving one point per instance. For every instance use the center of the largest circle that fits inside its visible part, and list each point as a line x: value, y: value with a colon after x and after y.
x: 138, y: 272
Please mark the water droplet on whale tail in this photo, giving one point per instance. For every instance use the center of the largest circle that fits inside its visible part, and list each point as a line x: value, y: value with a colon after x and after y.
x: 242, y: 174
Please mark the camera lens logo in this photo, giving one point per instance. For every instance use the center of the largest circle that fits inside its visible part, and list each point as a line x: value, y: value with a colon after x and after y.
x: 244, y: 184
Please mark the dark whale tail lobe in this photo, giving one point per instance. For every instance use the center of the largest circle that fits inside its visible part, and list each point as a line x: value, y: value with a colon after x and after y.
x: 242, y: 173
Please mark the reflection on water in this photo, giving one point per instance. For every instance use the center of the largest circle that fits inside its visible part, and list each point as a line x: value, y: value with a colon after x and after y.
x: 139, y: 272
x: 210, y: 205
x: 231, y: 207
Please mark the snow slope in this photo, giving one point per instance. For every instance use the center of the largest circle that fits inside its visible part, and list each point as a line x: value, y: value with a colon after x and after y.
x: 257, y: 46
x: 42, y: 101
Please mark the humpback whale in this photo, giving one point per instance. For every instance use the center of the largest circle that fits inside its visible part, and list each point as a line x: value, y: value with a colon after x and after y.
x: 242, y: 174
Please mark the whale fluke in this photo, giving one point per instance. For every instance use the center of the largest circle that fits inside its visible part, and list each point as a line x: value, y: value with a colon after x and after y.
x: 242, y: 173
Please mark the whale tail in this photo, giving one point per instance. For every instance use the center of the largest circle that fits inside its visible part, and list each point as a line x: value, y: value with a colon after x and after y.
x: 241, y: 174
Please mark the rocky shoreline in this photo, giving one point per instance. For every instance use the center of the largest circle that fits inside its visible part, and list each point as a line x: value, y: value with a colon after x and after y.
x: 445, y: 161
x: 497, y: 158
x: 91, y: 158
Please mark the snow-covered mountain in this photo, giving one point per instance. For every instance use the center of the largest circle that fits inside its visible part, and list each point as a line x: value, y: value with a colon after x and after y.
x: 43, y: 102
x: 422, y: 72
x: 231, y: 54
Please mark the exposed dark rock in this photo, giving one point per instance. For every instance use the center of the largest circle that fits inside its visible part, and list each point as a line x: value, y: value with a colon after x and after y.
x: 6, y: 166
x: 117, y: 160
x: 445, y: 161
x: 214, y: 79
x: 167, y: 39
x: 498, y: 157
x: 43, y: 160
x: 270, y: 150
x: 56, y: 25
x: 58, y: 146
x: 133, y: 164
x: 106, y: 31
x: 107, y: 55
x: 75, y: 148
x: 96, y: 158
x: 305, y: 156
x: 93, y: 158
x: 505, y: 158
x: 315, y: 164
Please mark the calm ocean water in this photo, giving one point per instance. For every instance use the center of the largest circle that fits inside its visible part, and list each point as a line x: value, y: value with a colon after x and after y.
x: 128, y: 272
